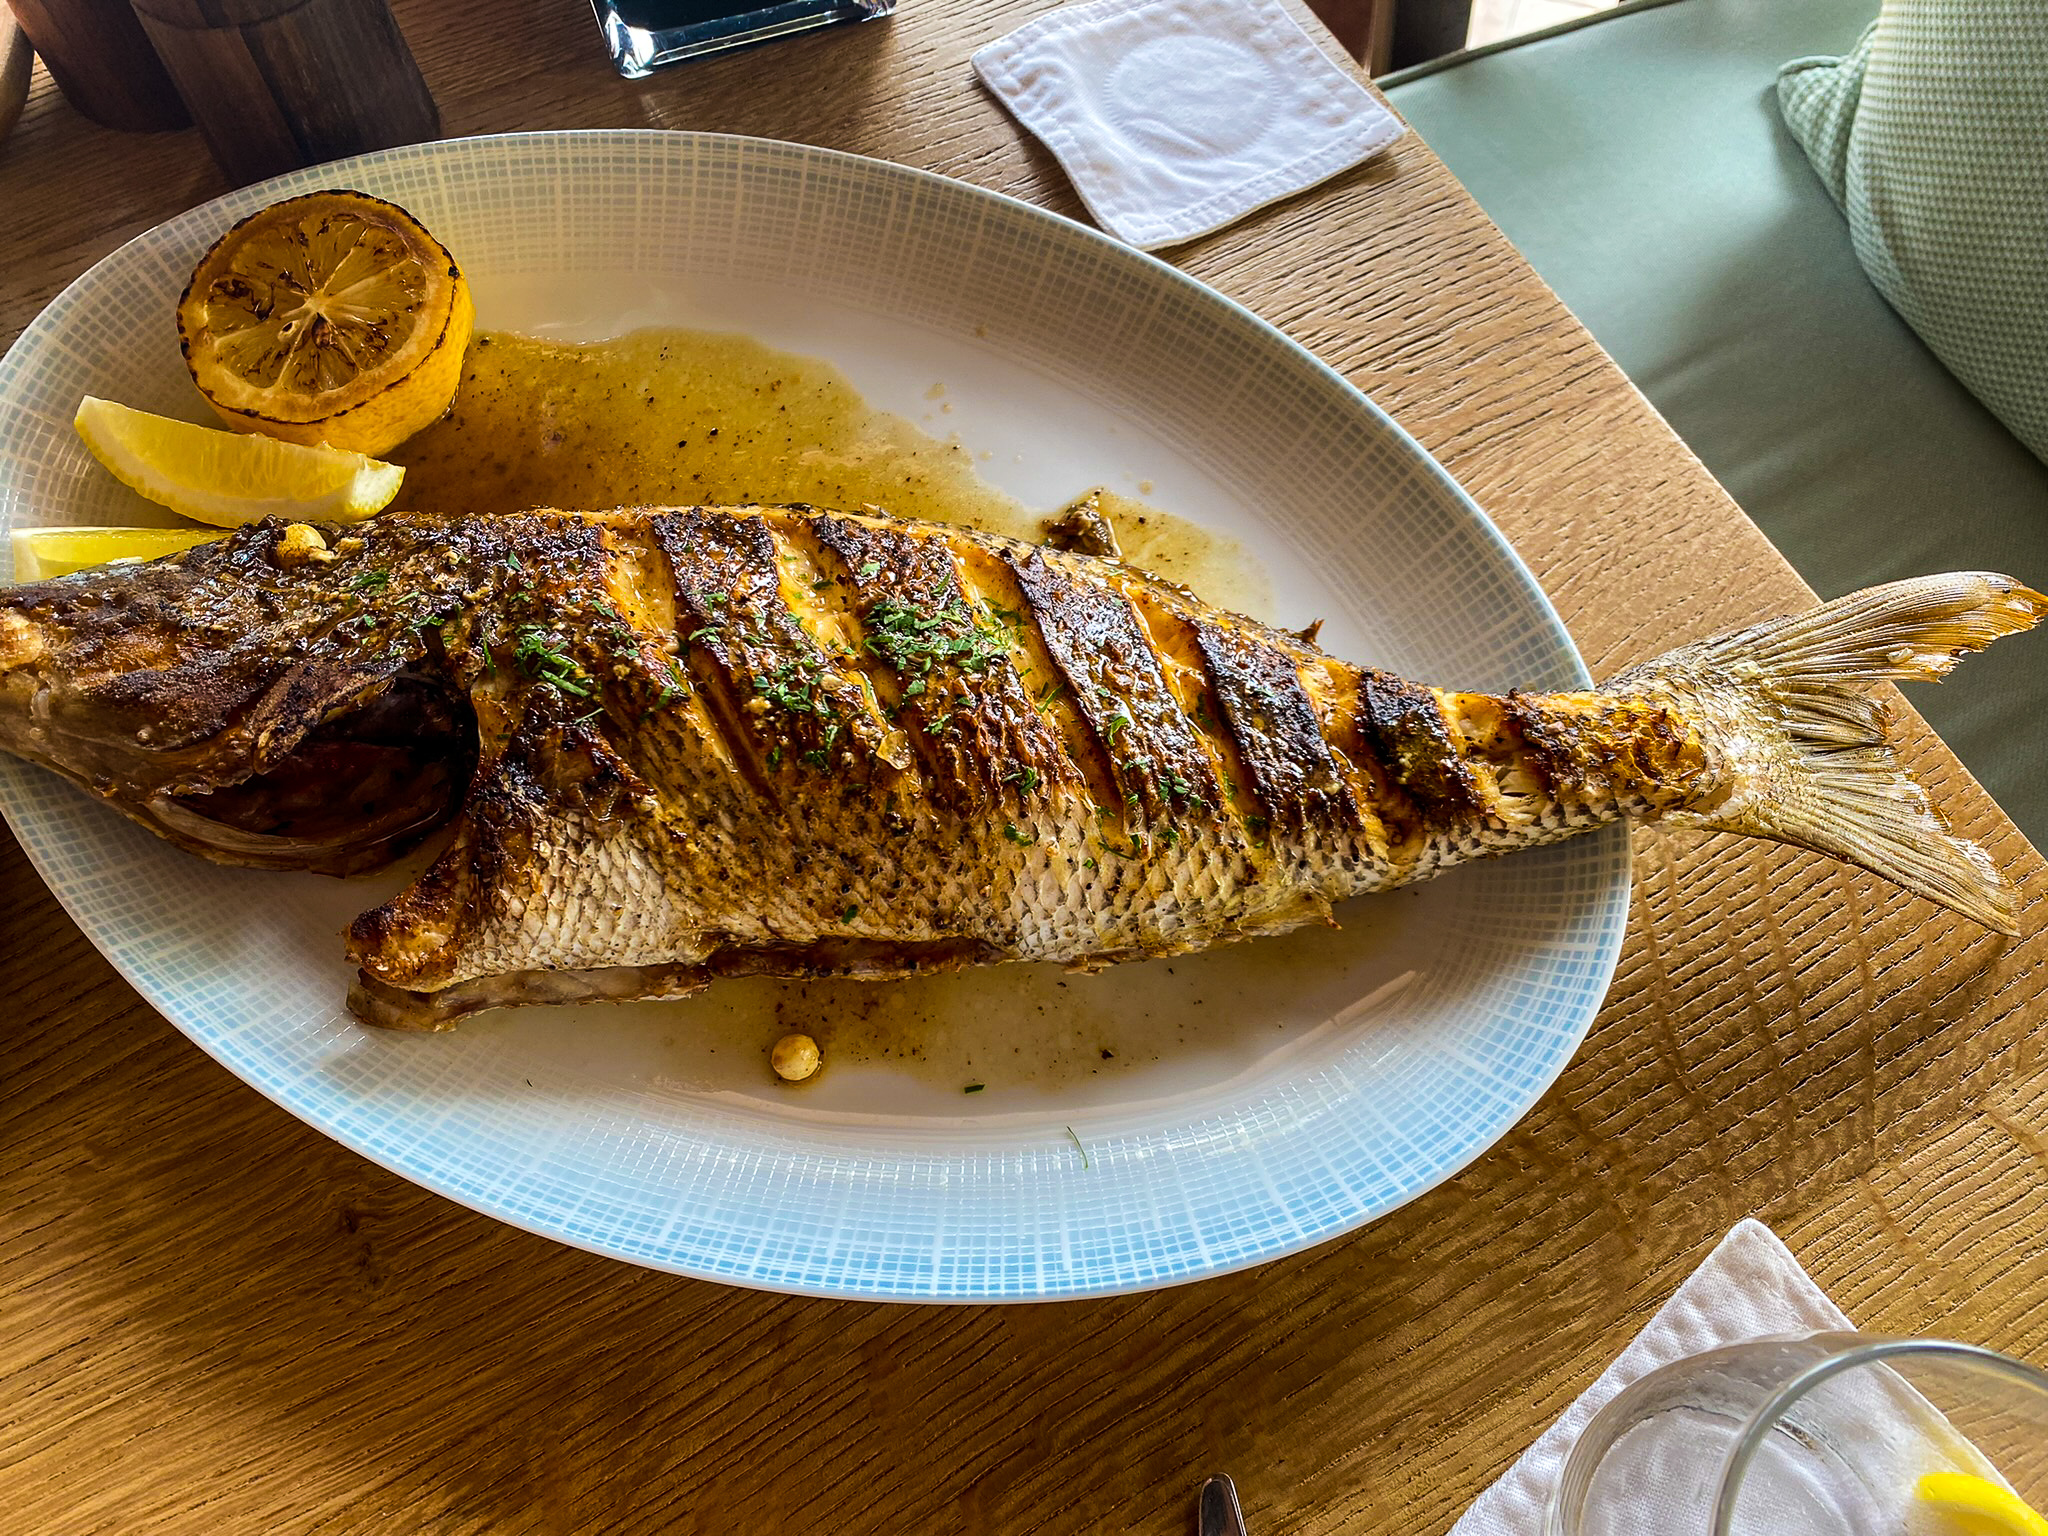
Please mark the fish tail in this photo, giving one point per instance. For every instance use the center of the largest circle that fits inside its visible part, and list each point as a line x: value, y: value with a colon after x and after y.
x: 1805, y: 758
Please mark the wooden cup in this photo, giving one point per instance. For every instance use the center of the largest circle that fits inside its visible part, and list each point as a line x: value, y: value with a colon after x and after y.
x: 279, y: 84
x: 96, y: 52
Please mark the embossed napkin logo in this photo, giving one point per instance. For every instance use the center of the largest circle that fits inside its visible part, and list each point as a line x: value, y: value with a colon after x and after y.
x: 1191, y: 96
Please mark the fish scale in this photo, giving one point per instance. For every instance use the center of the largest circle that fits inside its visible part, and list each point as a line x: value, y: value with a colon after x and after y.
x: 674, y: 744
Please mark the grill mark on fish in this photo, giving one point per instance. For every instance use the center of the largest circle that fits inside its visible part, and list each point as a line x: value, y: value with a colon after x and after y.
x: 814, y: 588
x: 1549, y: 750
x: 779, y: 692
x: 1402, y: 725
x: 1170, y: 616
x: 1073, y: 762
x: 1272, y: 722
x: 1335, y: 690
x: 1114, y: 676
x: 946, y: 666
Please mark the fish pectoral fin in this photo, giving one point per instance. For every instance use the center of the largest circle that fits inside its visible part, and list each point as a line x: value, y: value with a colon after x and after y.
x: 413, y: 939
x: 1299, y: 910
x: 420, y: 939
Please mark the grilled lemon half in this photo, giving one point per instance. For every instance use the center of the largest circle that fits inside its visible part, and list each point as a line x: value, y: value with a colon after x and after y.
x: 330, y: 318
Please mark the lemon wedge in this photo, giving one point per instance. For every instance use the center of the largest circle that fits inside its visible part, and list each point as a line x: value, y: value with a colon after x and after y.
x: 40, y: 553
x: 330, y: 318
x: 227, y: 479
x: 1976, y: 1506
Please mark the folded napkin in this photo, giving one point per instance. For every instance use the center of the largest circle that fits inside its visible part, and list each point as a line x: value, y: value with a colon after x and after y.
x: 1749, y: 1287
x: 1176, y: 117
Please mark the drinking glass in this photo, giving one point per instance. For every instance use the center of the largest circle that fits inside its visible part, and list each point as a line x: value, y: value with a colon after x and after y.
x: 1823, y: 1434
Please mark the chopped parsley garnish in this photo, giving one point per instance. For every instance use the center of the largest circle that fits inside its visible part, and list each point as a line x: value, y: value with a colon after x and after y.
x: 370, y: 581
x: 914, y: 642
x: 674, y: 686
x: 1021, y: 838
x: 1113, y: 724
x: 1050, y: 691
x: 541, y: 656
x: 1026, y: 779
x: 815, y: 758
x: 793, y: 686
x: 871, y: 570
x: 850, y: 913
x: 774, y: 758
x: 412, y: 629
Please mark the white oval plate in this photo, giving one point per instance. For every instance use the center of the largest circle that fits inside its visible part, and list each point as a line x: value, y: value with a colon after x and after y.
x: 1256, y: 1100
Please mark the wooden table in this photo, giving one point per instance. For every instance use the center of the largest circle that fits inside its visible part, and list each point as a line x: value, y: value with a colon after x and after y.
x: 213, y: 1320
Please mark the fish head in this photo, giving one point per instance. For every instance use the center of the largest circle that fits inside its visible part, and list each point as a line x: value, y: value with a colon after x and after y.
x: 242, y: 699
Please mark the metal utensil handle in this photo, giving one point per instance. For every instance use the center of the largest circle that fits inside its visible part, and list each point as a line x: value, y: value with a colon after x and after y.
x: 1220, y: 1515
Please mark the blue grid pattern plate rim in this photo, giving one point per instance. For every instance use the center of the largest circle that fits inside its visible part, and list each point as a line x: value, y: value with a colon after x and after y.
x: 959, y: 1212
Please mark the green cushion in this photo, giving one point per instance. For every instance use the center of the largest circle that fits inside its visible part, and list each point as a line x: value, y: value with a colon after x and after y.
x: 1930, y: 134
x: 1641, y: 166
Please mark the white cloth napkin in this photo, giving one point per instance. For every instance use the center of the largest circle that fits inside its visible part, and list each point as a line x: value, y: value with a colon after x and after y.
x: 1749, y: 1287
x: 1177, y: 117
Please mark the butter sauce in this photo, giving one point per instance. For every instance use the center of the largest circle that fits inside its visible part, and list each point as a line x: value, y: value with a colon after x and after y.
x: 705, y: 418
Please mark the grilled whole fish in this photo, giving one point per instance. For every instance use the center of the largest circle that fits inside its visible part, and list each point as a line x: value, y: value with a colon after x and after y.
x: 679, y: 744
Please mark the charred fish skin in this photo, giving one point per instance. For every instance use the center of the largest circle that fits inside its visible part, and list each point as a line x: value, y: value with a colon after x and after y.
x: 843, y: 752
x: 682, y: 743
x: 871, y: 747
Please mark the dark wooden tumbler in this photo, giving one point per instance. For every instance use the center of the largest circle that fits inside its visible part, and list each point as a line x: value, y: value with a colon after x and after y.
x: 97, y: 53
x: 277, y: 84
